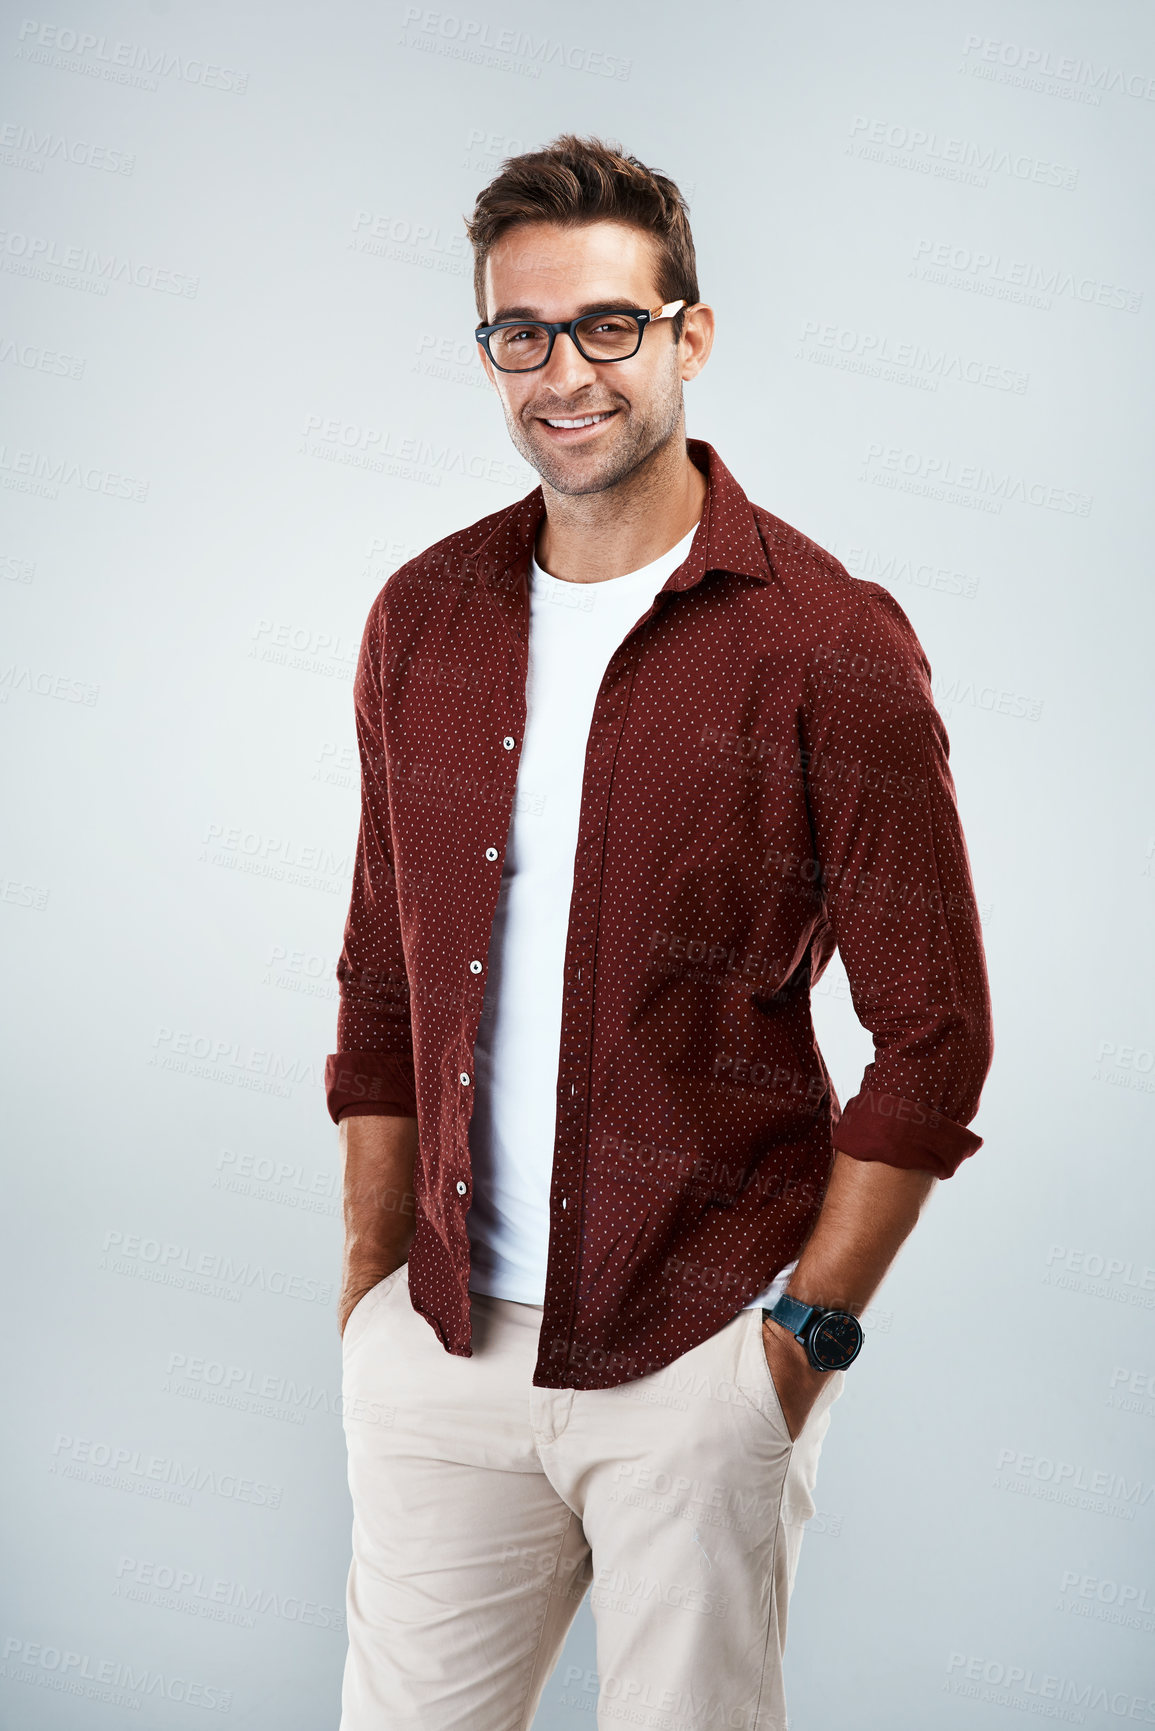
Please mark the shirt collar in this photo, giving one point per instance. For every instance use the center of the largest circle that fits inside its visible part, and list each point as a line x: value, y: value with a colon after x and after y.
x: 726, y: 539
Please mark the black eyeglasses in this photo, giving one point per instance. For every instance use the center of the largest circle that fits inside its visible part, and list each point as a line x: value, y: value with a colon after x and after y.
x: 523, y: 345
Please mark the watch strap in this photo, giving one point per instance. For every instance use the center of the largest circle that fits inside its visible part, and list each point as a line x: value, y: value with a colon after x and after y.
x: 791, y: 1313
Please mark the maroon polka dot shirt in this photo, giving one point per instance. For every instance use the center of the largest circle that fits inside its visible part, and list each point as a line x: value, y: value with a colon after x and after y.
x: 766, y: 779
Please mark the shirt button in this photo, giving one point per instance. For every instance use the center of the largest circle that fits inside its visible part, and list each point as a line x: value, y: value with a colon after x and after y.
x: 462, y: 1187
x: 475, y: 967
x: 491, y: 853
x: 509, y: 742
x: 464, y: 1078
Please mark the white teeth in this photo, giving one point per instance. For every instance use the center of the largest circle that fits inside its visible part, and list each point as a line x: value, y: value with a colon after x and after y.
x: 587, y: 421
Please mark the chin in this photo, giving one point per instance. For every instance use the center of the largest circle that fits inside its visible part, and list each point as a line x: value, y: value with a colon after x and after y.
x: 592, y: 474
x: 578, y: 477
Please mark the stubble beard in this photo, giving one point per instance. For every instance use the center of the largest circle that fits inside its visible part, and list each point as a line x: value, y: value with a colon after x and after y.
x: 636, y: 439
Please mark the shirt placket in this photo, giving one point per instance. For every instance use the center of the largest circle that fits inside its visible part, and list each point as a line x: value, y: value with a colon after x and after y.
x: 488, y: 865
x: 505, y: 727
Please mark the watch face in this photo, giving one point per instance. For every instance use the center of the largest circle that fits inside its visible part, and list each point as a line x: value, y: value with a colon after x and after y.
x: 836, y: 1340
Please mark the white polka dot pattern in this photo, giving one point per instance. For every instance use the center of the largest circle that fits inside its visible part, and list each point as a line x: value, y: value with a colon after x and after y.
x: 766, y: 779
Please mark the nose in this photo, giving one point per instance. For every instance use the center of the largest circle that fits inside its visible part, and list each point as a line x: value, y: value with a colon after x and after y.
x: 567, y: 371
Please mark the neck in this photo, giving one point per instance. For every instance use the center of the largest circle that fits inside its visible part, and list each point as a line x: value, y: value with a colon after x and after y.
x: 588, y: 537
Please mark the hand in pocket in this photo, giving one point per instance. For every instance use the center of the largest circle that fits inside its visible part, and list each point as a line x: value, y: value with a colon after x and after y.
x: 796, y: 1382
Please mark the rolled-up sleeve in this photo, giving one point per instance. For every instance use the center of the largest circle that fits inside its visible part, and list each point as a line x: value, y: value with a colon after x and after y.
x: 897, y: 888
x: 372, y: 1069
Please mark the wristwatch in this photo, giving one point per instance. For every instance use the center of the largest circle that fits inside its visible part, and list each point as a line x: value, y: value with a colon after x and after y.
x: 832, y: 1338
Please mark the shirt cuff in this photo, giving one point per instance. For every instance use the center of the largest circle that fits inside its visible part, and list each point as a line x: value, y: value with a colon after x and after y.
x: 900, y: 1132
x: 376, y: 1082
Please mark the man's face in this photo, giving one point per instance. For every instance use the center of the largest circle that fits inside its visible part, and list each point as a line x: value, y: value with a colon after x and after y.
x: 543, y: 271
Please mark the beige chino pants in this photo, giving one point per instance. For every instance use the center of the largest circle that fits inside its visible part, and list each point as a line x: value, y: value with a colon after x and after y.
x: 484, y: 1509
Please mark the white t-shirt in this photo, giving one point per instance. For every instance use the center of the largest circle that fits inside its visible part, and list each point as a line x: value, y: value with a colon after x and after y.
x: 574, y: 630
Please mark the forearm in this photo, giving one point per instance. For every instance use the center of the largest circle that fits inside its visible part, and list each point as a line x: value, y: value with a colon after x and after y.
x: 378, y: 1155
x: 868, y: 1211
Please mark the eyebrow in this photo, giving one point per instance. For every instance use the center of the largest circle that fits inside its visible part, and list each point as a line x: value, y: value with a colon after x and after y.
x: 531, y: 314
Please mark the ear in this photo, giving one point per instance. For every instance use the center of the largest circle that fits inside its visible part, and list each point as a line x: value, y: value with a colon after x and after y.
x: 696, y: 341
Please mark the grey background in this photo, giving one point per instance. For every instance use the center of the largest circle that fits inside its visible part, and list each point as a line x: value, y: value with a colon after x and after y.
x: 238, y: 391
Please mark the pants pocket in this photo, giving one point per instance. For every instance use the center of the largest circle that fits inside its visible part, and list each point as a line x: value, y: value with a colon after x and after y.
x: 369, y: 1302
x: 760, y: 1383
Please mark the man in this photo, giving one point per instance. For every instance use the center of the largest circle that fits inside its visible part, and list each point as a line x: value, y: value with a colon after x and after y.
x: 637, y: 757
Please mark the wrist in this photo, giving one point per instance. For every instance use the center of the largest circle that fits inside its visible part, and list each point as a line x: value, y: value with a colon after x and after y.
x: 825, y: 1294
x: 384, y: 1252
x: 365, y: 1272
x: 829, y: 1337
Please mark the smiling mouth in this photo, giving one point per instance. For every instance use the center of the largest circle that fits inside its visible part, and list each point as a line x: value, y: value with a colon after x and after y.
x: 581, y: 421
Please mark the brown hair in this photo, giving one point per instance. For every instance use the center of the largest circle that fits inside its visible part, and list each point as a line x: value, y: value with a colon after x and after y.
x: 579, y: 180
